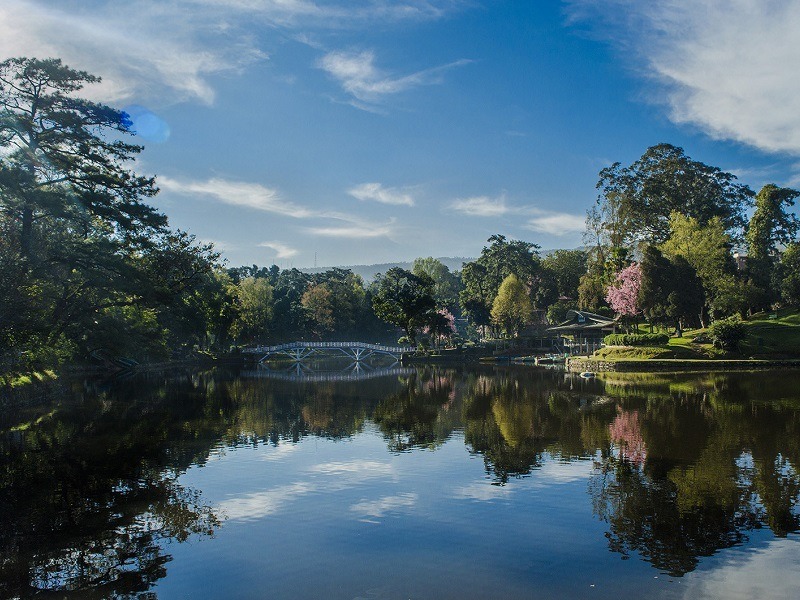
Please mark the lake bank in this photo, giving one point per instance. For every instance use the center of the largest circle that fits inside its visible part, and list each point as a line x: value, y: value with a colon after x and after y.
x: 581, y: 365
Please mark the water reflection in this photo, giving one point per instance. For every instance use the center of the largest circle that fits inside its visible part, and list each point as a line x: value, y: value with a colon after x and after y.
x: 682, y: 466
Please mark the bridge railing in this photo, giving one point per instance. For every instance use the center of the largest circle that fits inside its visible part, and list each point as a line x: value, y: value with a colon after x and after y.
x: 295, y: 345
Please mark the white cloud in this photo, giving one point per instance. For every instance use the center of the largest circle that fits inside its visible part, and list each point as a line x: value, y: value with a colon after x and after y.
x: 280, y: 452
x: 357, y: 229
x: 360, y: 468
x: 482, y: 491
x: 539, y: 220
x: 481, y: 206
x: 766, y: 572
x: 281, y: 250
x: 250, y: 507
x: 388, y: 504
x: 238, y: 193
x: 557, y: 223
x: 146, y: 50
x: 359, y: 77
x: 378, y: 193
x: 727, y: 66
x: 292, y: 13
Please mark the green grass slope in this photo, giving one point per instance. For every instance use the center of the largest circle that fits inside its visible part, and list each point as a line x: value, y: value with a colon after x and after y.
x: 771, y: 335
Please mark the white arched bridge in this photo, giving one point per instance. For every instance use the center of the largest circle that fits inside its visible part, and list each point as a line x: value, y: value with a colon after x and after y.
x: 300, y: 351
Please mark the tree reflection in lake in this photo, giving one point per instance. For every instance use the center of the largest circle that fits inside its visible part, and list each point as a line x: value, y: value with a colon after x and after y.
x: 683, y: 465
x: 721, y: 461
x: 89, y: 490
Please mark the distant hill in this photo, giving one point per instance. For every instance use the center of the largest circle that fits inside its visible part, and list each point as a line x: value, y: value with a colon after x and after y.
x: 368, y: 272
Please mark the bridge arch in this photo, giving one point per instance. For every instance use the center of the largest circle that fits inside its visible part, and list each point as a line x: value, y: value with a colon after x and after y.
x: 299, y: 351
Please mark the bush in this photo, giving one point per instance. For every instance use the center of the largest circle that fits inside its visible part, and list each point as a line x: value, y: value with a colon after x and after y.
x: 727, y: 333
x: 639, y: 339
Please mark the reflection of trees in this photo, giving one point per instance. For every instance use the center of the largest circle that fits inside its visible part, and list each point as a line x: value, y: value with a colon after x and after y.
x: 88, y: 494
x: 513, y: 417
x: 644, y: 517
x: 420, y: 414
x: 721, y: 460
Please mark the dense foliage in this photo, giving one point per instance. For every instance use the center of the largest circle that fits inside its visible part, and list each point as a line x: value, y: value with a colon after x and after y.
x: 89, y: 271
x: 727, y: 333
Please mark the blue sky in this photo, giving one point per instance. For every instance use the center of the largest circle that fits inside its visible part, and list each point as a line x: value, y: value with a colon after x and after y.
x: 372, y: 131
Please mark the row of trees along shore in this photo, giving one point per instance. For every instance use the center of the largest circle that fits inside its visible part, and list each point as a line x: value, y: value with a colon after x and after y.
x: 88, y: 269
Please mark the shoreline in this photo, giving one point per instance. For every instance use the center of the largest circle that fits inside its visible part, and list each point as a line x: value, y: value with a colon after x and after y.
x: 676, y: 365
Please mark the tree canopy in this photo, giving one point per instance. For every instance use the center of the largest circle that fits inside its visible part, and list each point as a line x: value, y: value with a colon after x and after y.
x: 635, y: 202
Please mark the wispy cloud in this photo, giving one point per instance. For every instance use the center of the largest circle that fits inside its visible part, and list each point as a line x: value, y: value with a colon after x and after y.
x: 361, y: 79
x: 726, y: 66
x: 281, y: 250
x: 355, y: 229
x: 377, y: 193
x: 388, y: 504
x: 154, y: 51
x: 481, y: 206
x: 343, y: 14
x: 539, y: 220
x: 482, y: 491
x: 238, y: 193
x: 257, y: 505
x: 556, y: 223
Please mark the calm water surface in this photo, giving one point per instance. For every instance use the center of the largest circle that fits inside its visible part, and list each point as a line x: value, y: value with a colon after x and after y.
x: 429, y: 483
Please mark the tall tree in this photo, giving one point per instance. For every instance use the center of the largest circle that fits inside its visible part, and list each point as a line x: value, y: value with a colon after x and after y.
x: 511, y: 308
x: 771, y: 225
x: 656, y: 285
x: 446, y: 285
x: 404, y: 299
x: 64, y: 156
x: 567, y: 268
x: 498, y: 260
x: 707, y: 249
x: 254, y: 304
x: 635, y: 202
x: 790, y: 269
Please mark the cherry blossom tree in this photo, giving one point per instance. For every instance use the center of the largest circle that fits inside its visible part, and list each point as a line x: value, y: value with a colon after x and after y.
x: 623, y: 294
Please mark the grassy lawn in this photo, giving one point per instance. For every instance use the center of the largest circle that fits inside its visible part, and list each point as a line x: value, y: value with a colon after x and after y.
x: 769, y: 335
x: 778, y: 337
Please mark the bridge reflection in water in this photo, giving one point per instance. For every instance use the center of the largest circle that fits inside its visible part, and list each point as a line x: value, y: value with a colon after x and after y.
x: 299, y: 372
x: 366, y: 361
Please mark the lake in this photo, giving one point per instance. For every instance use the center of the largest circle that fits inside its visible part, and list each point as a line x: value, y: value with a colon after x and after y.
x: 416, y: 483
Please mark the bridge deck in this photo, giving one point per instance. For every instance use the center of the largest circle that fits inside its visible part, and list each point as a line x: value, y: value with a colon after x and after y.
x: 299, y: 351
x: 332, y: 345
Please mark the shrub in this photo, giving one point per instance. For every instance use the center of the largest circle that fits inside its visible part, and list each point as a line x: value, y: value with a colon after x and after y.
x: 727, y: 333
x: 639, y: 339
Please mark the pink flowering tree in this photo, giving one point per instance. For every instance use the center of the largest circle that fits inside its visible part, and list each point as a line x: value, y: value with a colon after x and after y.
x: 623, y: 295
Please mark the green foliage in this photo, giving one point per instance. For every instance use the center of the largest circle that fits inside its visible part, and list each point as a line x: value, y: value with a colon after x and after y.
x: 727, y: 333
x: 790, y: 271
x: 639, y: 339
x: 636, y: 202
x: 557, y: 312
x: 567, y: 267
x: 446, y: 285
x: 403, y: 299
x: 86, y: 262
x: 254, y: 304
x: 511, y: 308
x: 772, y: 224
x: 482, y: 278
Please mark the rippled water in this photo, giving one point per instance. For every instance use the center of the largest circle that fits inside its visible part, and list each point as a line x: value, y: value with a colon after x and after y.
x: 428, y: 483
